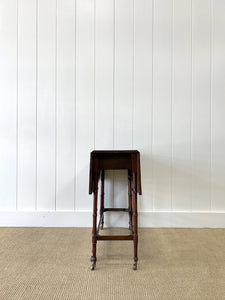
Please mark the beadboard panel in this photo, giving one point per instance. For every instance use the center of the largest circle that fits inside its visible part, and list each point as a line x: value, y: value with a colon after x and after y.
x: 65, y: 106
x: 123, y: 100
x: 27, y: 28
x: 85, y: 104
x: 8, y: 104
x: 162, y: 102
x: 218, y: 106
x: 201, y: 105
x: 104, y: 84
x: 123, y: 88
x: 142, y: 97
x: 46, y: 104
x: 104, y: 74
x: 79, y: 75
x: 181, y: 106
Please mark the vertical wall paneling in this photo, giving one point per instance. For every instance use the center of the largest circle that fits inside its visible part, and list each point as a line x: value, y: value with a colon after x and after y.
x: 65, y: 149
x: 142, y: 115
x: 123, y: 73
x: 79, y: 75
x: 84, y: 99
x: 181, y: 106
x: 26, y: 104
x: 123, y: 90
x: 46, y: 104
x: 8, y: 104
x: 104, y: 73
x: 218, y: 105
x: 201, y: 108
x: 162, y: 89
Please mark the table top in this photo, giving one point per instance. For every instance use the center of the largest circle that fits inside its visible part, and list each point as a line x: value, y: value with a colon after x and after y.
x: 115, y: 151
x: 114, y: 160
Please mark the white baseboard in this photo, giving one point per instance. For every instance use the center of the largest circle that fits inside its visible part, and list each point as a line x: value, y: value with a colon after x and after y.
x: 84, y: 219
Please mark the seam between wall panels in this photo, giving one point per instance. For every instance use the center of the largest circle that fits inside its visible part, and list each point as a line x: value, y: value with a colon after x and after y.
x: 36, y: 101
x: 114, y: 75
x: 17, y: 102
x: 133, y: 72
x: 191, y: 115
x: 56, y: 98
x: 211, y: 80
x: 152, y: 115
x: 75, y: 81
x: 94, y: 70
x: 114, y: 49
x: 172, y: 104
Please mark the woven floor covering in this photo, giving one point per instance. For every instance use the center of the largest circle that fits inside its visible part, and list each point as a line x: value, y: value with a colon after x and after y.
x: 54, y: 263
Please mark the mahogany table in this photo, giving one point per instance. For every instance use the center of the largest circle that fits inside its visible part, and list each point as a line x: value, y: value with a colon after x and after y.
x: 111, y: 160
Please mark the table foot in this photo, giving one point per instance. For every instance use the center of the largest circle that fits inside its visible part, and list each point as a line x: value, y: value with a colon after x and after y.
x: 92, y: 267
x: 134, y: 267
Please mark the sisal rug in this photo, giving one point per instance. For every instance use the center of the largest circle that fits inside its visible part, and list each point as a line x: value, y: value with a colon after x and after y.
x: 54, y: 263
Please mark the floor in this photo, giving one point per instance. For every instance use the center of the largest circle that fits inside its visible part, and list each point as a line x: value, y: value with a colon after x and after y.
x: 54, y: 263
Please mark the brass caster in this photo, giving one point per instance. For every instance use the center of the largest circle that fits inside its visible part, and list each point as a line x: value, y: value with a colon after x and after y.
x: 92, y: 267
x: 134, y: 267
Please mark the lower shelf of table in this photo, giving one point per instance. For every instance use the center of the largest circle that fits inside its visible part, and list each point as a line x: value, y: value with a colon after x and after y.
x: 114, y: 237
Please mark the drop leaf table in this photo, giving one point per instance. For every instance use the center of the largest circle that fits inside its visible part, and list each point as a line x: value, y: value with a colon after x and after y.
x: 115, y: 160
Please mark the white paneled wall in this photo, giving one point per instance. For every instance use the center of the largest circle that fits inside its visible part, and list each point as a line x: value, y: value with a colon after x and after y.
x: 79, y: 75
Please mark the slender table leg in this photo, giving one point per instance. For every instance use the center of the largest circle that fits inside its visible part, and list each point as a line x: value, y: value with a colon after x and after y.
x: 130, y: 199
x: 94, y: 228
x: 102, y: 199
x: 135, y: 215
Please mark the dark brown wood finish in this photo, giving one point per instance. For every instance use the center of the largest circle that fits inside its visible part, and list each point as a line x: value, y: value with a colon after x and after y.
x: 102, y: 198
x: 130, y: 198
x: 111, y: 160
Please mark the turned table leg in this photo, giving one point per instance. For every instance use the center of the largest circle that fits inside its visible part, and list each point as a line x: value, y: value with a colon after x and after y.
x: 135, y: 215
x: 102, y: 199
x: 94, y: 228
x: 130, y: 199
